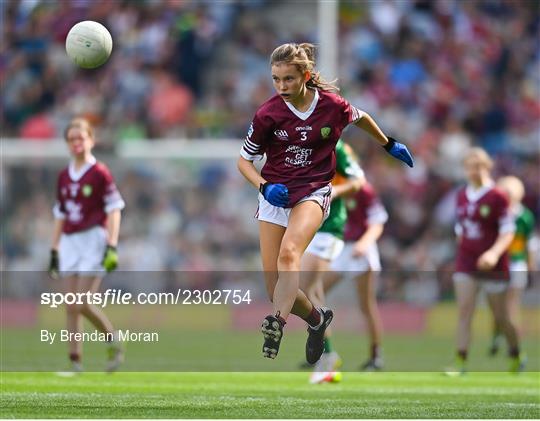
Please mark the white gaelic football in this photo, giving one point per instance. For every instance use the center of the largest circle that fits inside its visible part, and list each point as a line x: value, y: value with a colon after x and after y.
x: 89, y: 44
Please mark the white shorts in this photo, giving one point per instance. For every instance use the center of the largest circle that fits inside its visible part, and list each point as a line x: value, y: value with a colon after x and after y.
x: 518, y: 275
x: 351, y: 266
x: 82, y: 252
x: 280, y: 216
x: 326, y: 246
x: 490, y: 287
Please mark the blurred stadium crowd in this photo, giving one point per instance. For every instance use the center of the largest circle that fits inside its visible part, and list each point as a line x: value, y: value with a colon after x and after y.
x: 440, y: 75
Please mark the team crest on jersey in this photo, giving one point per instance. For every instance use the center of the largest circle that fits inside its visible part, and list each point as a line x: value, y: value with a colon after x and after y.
x: 325, y: 132
x: 87, y: 190
x: 282, y: 135
x: 484, y: 211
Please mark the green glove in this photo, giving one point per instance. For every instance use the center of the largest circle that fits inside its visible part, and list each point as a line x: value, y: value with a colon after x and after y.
x: 54, y: 264
x: 110, y: 259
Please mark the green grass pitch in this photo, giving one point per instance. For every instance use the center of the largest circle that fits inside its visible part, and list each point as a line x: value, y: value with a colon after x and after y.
x: 207, y: 374
x: 269, y: 395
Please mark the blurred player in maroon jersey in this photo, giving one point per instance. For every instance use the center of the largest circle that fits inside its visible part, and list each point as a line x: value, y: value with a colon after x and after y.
x: 485, y: 228
x: 87, y: 224
x: 297, y: 129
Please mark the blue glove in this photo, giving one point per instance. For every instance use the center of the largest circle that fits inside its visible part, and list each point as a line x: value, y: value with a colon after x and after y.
x: 276, y: 194
x: 399, y: 151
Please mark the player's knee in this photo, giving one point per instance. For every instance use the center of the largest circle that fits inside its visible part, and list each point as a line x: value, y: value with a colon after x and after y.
x: 74, y: 309
x: 289, y: 255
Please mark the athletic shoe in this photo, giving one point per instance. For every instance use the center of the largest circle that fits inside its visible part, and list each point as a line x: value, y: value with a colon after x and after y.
x: 459, y: 369
x: 74, y: 369
x: 329, y: 361
x: 115, y: 353
x: 319, y: 377
x: 517, y: 364
x: 373, y: 364
x: 272, y: 330
x: 315, y: 340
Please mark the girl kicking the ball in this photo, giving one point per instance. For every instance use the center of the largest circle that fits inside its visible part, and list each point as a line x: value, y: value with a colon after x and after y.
x: 297, y: 129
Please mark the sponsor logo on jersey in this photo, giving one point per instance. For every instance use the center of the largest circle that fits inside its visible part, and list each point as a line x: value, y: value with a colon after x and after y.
x: 484, y: 211
x: 325, y: 132
x: 87, y: 190
x: 304, y: 128
x: 282, y: 135
x: 73, y: 189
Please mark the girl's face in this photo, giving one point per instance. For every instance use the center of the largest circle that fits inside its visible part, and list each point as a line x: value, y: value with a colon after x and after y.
x: 289, y: 82
x: 79, y: 141
x: 476, y: 170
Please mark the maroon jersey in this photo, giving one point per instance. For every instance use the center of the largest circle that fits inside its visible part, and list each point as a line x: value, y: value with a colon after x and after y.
x: 299, y: 146
x: 482, y: 215
x: 363, y: 209
x: 85, y: 197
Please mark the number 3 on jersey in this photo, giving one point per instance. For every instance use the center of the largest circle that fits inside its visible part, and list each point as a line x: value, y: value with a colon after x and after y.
x: 303, y: 135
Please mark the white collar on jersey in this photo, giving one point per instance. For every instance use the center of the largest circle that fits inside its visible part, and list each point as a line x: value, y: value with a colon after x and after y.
x: 76, y: 175
x: 473, y: 195
x: 305, y: 115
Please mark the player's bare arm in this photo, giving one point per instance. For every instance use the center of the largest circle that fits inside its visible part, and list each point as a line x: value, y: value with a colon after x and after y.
x: 392, y: 146
x: 113, y: 227
x: 372, y: 234
x: 248, y: 170
x: 490, y: 257
x: 350, y: 186
x: 531, y: 261
x: 367, y: 124
x: 57, y: 232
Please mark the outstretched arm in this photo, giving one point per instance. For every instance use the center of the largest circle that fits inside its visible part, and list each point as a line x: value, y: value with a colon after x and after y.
x: 367, y: 124
x: 392, y: 146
